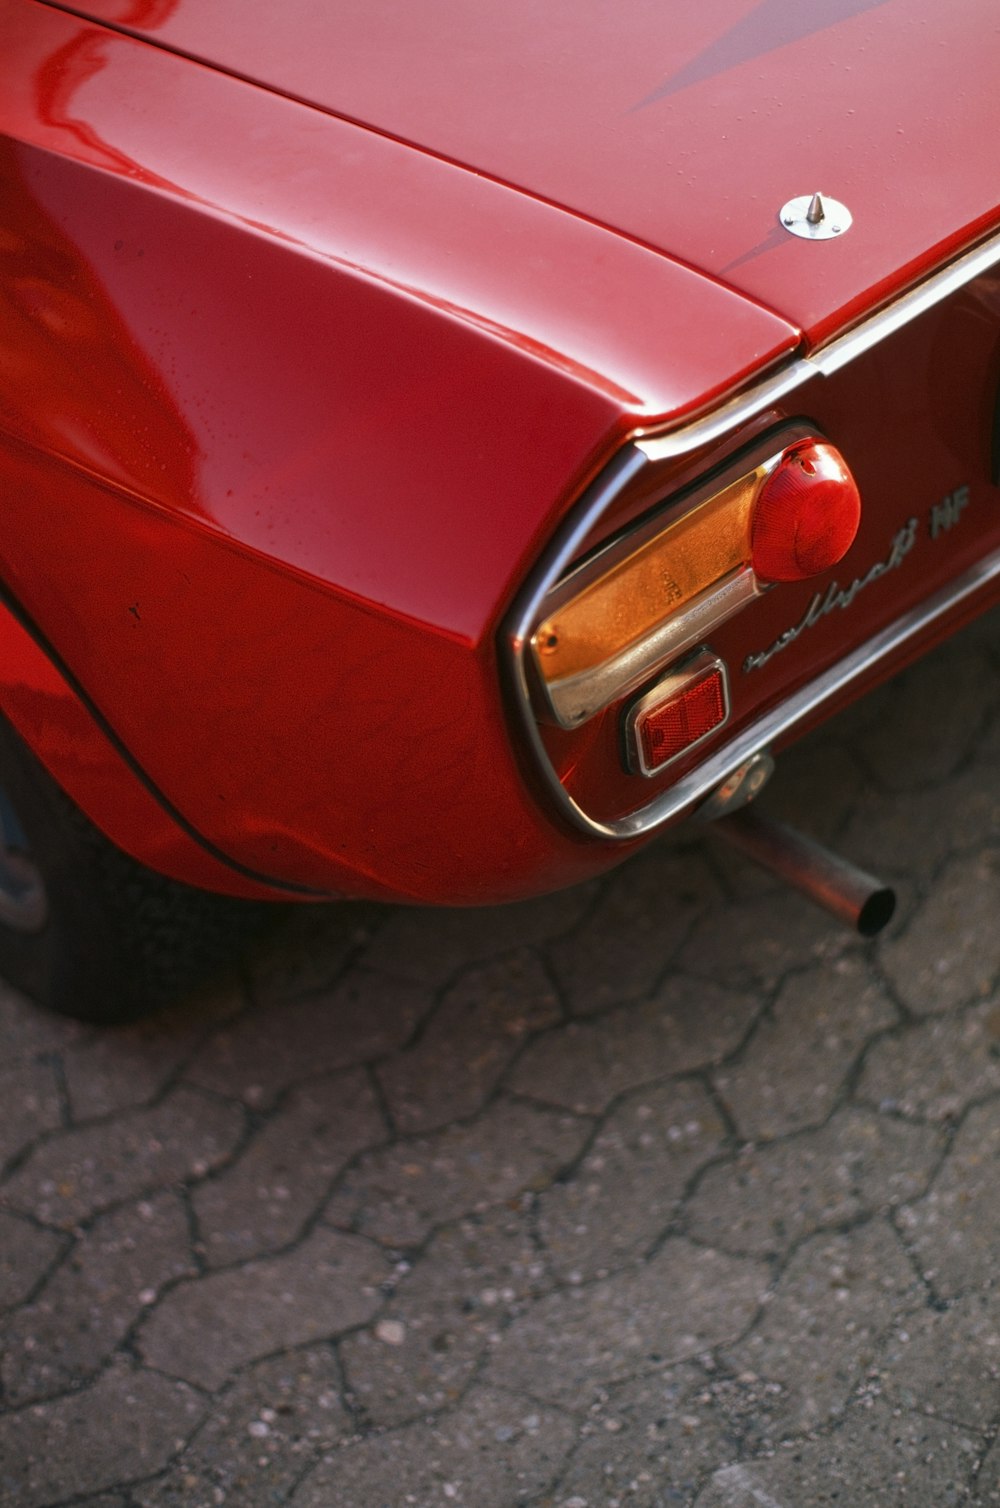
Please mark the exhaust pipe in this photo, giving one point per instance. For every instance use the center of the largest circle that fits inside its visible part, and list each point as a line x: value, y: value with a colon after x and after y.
x: 857, y: 898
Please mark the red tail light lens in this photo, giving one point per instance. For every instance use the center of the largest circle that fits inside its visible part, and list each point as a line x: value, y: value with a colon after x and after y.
x: 805, y: 516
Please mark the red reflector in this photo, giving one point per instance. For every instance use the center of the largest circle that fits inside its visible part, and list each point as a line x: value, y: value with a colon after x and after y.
x: 806, y: 514
x: 666, y: 725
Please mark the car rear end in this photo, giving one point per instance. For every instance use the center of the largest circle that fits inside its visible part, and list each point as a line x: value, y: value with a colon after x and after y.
x: 444, y: 486
x: 674, y: 634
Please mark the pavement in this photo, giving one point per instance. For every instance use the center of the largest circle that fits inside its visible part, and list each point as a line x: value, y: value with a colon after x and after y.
x: 663, y: 1191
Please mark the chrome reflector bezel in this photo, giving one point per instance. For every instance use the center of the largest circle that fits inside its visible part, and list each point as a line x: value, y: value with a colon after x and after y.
x: 676, y: 681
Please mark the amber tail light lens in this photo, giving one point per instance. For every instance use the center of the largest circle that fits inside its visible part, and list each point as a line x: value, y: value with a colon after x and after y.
x: 645, y: 600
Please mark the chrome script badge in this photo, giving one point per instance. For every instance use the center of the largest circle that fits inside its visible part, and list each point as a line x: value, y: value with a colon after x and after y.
x: 837, y: 596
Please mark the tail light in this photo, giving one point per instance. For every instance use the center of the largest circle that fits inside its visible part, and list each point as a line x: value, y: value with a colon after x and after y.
x: 648, y: 598
x: 805, y: 515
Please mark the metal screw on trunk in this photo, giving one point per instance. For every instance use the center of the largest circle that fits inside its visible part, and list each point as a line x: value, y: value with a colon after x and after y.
x: 815, y: 217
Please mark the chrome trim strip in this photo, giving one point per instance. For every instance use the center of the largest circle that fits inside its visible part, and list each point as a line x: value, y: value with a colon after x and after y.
x: 657, y: 446
x: 797, y: 708
x: 662, y: 446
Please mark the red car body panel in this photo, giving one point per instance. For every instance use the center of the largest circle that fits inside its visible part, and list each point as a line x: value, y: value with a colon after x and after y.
x: 175, y: 430
x: 684, y: 127
x: 50, y: 714
x: 291, y: 410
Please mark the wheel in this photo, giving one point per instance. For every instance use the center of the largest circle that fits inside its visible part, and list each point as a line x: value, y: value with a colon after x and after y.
x: 84, y: 929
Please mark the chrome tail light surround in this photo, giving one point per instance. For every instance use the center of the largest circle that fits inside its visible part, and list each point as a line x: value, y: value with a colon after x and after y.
x: 861, y: 664
x: 665, y: 444
x: 653, y: 592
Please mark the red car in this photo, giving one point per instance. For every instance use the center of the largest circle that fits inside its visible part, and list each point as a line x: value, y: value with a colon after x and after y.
x: 444, y: 445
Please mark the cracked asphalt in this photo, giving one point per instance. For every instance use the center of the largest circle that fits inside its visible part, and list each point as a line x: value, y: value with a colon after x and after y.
x: 661, y: 1191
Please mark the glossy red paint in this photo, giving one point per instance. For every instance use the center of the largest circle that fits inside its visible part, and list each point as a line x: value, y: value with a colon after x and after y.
x: 330, y: 316
x: 290, y: 410
x: 50, y: 716
x: 274, y: 463
x: 686, y: 127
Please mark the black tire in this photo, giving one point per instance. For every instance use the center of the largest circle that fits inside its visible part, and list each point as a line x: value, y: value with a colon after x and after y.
x: 84, y: 929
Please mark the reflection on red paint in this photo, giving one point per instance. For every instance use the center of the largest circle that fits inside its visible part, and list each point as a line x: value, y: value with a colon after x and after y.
x: 73, y: 380
x: 146, y: 13
x: 770, y: 25
x: 60, y: 79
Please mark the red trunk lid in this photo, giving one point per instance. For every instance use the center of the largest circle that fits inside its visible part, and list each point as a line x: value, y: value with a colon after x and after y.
x: 686, y: 127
